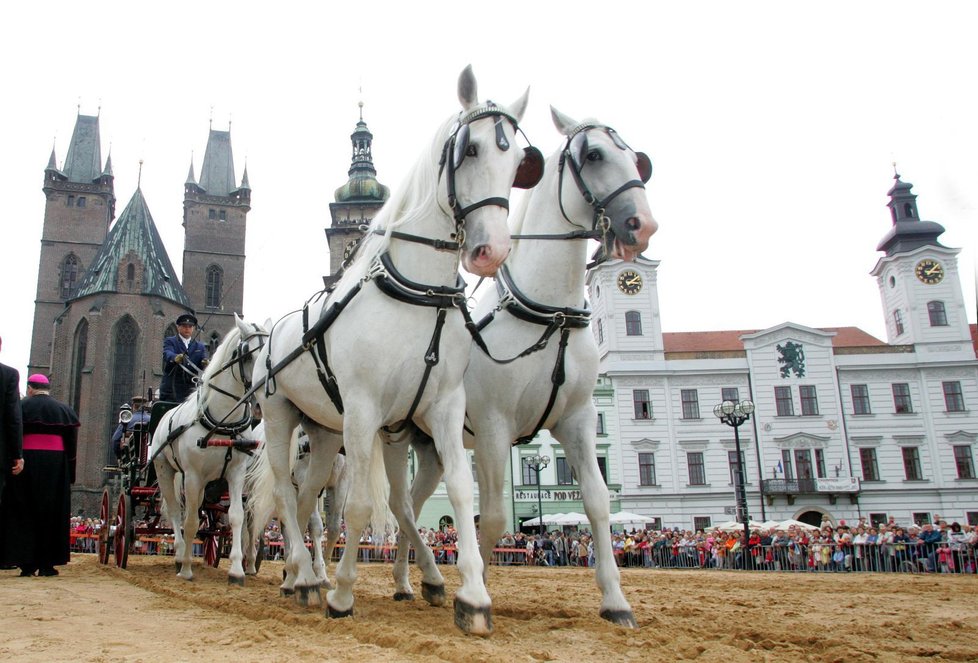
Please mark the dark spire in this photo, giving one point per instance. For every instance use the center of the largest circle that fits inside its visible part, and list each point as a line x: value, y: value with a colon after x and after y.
x: 134, y: 239
x: 244, y: 178
x: 83, y: 162
x: 53, y: 161
x: 107, y: 171
x: 217, y: 170
x: 908, y: 231
x: 363, y: 184
x: 191, y: 178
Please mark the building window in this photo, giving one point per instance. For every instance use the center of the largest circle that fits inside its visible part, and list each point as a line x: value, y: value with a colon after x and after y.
x: 643, y: 406
x: 600, y: 330
x: 222, y: 215
x: 691, y: 404
x: 731, y: 394
x: 601, y: 429
x: 937, y: 314
x: 898, y: 322
x: 565, y: 474
x: 809, y: 401
x: 901, y: 398
x: 700, y: 523
x: 732, y: 462
x: 633, y: 323
x: 782, y: 400
x: 81, y: 201
x: 213, y: 342
x: 215, y: 276
x: 70, y: 201
x: 964, y: 461
x: 125, y: 342
x: 212, y: 214
x: 529, y: 474
x: 867, y: 459
x: 803, y: 463
x: 130, y: 277
x: 877, y: 519
x: 911, y: 464
x: 820, y: 464
x: 920, y: 518
x: 70, y: 268
x: 972, y: 518
x: 953, y: 398
x: 646, y: 469
x: 860, y: 398
x: 789, y: 467
x: 697, y: 468
x: 80, y: 354
x: 603, y: 468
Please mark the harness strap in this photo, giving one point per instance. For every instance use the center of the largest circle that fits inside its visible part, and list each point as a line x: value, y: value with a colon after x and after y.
x: 438, y: 244
x: 557, y: 378
x: 431, y: 358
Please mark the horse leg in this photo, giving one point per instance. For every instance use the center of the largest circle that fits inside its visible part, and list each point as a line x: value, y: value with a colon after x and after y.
x: 395, y: 462
x: 362, y: 458
x: 236, y: 574
x: 332, y: 529
x: 473, y: 607
x: 280, y: 420
x: 576, y: 433
x: 193, y: 495
x: 324, y: 446
x: 492, y: 452
x: 166, y: 478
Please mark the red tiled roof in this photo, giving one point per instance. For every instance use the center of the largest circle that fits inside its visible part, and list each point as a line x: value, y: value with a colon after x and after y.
x: 974, y: 337
x: 729, y: 341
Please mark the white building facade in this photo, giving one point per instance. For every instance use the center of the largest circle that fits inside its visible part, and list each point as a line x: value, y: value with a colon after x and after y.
x: 845, y: 426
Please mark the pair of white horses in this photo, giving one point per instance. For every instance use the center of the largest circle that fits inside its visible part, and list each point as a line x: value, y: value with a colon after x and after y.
x: 387, y: 351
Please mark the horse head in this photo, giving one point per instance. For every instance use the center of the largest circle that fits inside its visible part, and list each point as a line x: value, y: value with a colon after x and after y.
x: 480, y: 167
x: 610, y: 179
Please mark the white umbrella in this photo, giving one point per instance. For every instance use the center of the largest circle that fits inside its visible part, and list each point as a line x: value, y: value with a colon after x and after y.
x: 791, y: 522
x: 571, y: 518
x: 627, y: 518
x: 771, y: 524
x: 734, y: 526
x: 548, y: 519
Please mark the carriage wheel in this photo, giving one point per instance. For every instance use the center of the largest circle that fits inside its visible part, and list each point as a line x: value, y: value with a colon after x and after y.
x: 212, y: 551
x: 123, y: 530
x: 103, y: 533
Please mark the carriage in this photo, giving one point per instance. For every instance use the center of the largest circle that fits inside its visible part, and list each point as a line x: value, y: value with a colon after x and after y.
x: 138, y: 508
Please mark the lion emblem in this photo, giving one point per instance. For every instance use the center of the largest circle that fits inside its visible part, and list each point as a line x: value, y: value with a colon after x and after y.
x: 792, y: 359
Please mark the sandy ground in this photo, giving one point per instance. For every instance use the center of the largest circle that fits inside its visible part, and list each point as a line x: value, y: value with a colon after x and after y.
x: 146, y: 613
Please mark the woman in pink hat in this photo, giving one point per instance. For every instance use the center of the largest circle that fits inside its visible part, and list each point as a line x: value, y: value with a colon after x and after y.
x: 35, y: 512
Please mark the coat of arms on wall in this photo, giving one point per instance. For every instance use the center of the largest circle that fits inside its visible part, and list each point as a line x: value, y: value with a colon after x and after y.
x: 792, y: 359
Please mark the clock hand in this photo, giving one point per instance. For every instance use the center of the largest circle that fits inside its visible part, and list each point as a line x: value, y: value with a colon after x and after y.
x: 633, y: 281
x: 932, y: 270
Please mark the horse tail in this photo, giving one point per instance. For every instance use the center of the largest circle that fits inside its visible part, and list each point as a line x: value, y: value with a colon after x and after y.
x: 382, y: 519
x: 260, y: 487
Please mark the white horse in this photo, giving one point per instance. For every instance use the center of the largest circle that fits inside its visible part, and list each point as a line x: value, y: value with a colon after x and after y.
x: 184, y: 467
x: 592, y: 187
x: 333, y: 480
x: 387, y: 346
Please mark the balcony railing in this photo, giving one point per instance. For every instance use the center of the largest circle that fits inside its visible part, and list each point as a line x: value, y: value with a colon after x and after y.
x: 810, y: 486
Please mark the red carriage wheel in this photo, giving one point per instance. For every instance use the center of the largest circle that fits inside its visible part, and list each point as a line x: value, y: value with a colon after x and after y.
x: 212, y: 551
x: 124, y: 528
x: 103, y: 533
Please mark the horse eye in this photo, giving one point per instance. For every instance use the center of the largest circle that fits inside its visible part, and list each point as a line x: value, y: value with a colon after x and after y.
x: 594, y: 155
x: 471, y: 151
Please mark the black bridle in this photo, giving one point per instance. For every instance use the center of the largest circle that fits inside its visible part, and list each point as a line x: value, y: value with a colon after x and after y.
x: 573, y: 156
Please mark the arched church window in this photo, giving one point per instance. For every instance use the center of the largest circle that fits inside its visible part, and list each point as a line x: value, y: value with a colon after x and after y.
x: 937, y: 314
x: 213, y: 285
x: 130, y: 276
x: 79, y: 353
x: 215, y: 340
x: 70, y: 271
x: 125, y: 339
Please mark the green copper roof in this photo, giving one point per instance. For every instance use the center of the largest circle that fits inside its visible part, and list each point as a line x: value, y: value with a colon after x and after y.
x: 363, y: 184
x: 84, y: 161
x: 134, y: 233
x: 217, y: 171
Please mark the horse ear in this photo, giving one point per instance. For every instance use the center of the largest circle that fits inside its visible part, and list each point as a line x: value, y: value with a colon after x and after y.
x: 518, y: 107
x: 240, y: 324
x: 468, y: 90
x: 578, y: 149
x: 530, y: 170
x: 268, y: 324
x: 564, y: 123
x: 644, y: 166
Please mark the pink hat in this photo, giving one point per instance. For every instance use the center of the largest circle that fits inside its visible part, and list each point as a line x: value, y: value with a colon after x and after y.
x: 38, y: 380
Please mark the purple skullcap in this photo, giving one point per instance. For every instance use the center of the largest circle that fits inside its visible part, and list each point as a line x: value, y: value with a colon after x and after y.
x: 38, y: 380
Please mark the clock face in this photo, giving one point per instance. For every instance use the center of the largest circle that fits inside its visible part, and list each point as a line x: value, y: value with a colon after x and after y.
x: 929, y: 271
x: 630, y: 282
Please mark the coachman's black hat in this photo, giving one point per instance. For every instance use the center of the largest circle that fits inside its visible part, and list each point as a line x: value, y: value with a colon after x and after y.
x: 187, y: 319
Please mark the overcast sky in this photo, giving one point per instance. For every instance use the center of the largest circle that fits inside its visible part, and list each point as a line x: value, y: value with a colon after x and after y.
x: 772, y: 128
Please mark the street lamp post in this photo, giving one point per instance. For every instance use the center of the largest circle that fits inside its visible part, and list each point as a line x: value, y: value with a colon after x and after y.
x: 734, y: 415
x: 537, y: 463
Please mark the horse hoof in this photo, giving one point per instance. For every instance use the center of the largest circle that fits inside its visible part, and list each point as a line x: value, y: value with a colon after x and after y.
x: 332, y: 613
x: 404, y: 596
x: 236, y: 580
x: 286, y: 591
x: 433, y: 594
x: 308, y: 596
x: 326, y: 583
x: 472, y: 620
x: 620, y: 617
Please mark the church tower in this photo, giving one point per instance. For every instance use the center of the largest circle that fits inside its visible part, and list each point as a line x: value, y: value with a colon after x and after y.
x: 918, y: 279
x: 79, y: 206
x: 624, y: 299
x: 357, y: 201
x: 215, y: 214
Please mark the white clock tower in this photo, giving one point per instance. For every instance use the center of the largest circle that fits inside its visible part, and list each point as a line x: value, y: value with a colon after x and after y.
x: 624, y: 298
x: 918, y: 280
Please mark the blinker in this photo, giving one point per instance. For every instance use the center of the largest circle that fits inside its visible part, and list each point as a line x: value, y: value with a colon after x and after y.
x: 461, y: 145
x: 644, y: 166
x: 530, y: 170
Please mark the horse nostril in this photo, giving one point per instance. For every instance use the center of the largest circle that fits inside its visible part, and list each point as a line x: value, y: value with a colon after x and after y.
x: 633, y: 223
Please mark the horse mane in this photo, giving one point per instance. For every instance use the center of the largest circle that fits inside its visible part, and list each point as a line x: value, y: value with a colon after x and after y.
x: 413, y: 199
x: 220, y: 357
